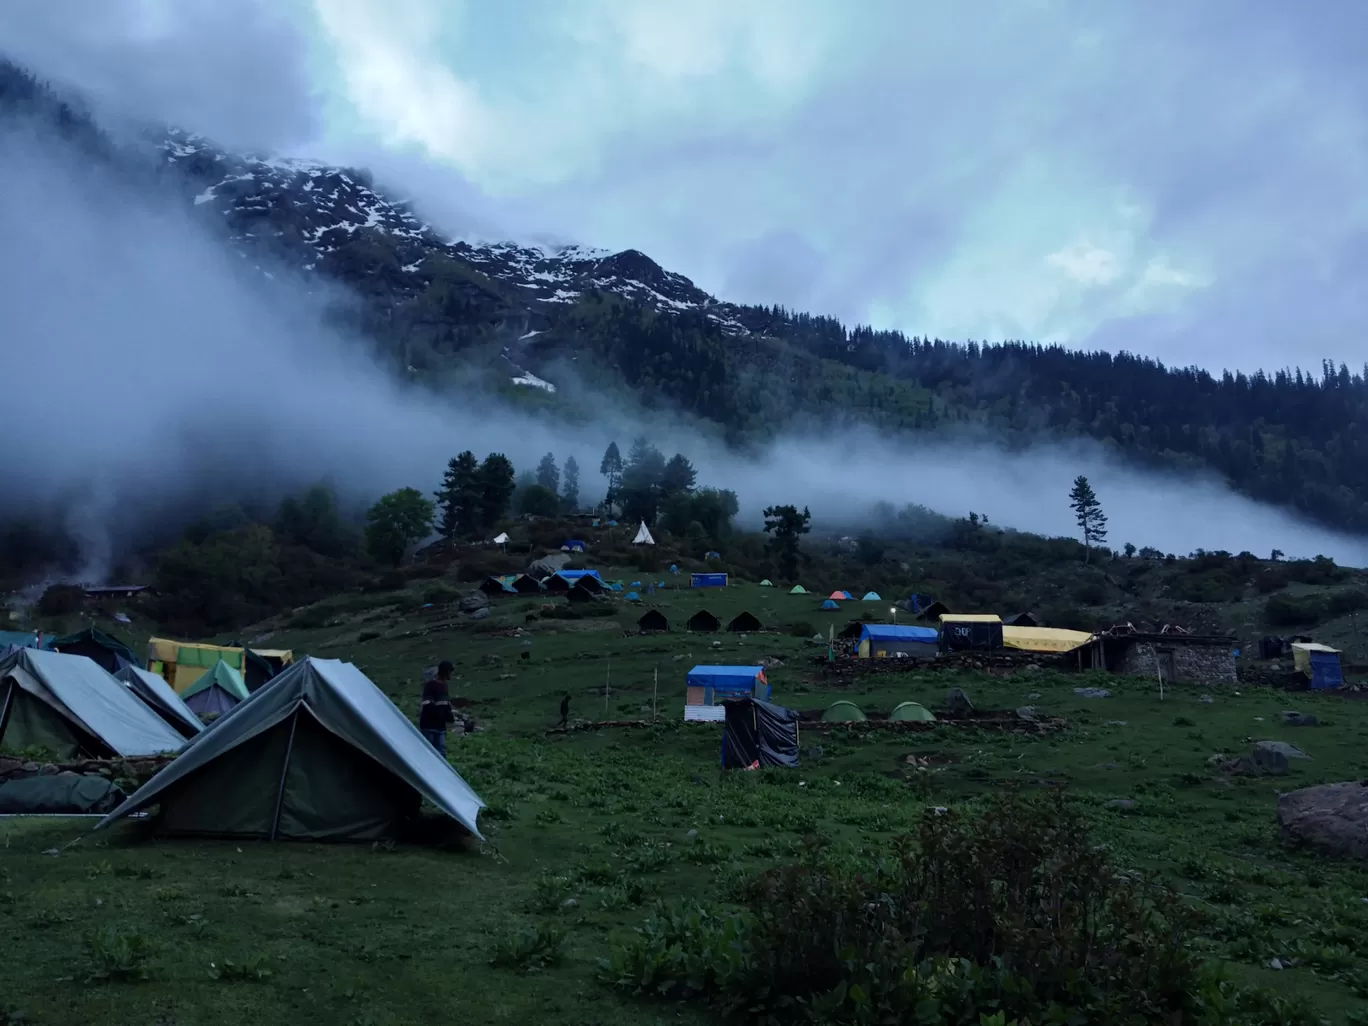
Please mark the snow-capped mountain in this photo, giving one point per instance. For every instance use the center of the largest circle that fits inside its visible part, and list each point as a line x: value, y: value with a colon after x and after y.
x: 306, y: 212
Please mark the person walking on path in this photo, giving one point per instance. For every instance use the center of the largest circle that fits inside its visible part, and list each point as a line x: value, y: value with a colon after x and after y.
x: 435, y: 714
x: 565, y: 711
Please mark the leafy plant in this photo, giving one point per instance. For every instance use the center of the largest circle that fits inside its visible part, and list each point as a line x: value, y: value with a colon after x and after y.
x: 529, y: 948
x: 118, y: 956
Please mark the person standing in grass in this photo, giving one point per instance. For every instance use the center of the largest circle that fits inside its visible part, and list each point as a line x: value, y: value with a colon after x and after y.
x: 565, y: 711
x: 434, y: 711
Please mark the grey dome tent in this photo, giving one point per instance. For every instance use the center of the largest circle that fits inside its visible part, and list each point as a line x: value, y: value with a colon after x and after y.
x: 317, y: 754
x: 159, y: 696
x: 71, y: 707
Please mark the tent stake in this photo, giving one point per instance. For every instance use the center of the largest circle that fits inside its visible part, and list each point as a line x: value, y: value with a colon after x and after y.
x: 284, y: 770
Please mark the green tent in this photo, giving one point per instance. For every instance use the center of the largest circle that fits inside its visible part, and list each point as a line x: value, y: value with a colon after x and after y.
x: 215, y: 691
x: 108, y: 651
x: 843, y: 712
x: 319, y: 753
x: 912, y: 712
x: 797, y: 589
x: 69, y: 706
x: 767, y: 583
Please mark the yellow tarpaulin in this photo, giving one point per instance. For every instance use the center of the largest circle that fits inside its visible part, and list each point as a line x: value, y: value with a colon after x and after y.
x: 182, y: 663
x: 970, y: 618
x: 1044, y: 639
x: 1301, y: 654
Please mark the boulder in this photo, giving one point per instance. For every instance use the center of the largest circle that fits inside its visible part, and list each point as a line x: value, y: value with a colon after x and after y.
x: 475, y: 600
x: 957, y: 703
x: 1260, y: 762
x: 1092, y: 692
x: 1297, y: 719
x: 490, y: 659
x: 1330, y: 816
x: 480, y: 614
x: 1282, y: 747
x: 1027, y: 713
x: 1123, y: 804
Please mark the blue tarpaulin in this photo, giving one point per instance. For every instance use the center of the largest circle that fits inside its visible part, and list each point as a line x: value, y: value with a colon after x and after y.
x: 24, y: 639
x: 890, y: 632
x: 575, y: 575
x: 707, y: 580
x: 720, y: 682
x: 1326, y: 672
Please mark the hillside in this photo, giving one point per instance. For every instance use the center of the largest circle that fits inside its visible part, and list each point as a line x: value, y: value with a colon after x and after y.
x: 521, y: 316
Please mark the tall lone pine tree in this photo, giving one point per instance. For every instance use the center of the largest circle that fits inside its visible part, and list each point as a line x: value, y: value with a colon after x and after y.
x: 1088, y: 512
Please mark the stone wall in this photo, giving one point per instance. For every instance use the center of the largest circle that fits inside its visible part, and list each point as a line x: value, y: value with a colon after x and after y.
x: 137, y: 770
x: 1192, y: 664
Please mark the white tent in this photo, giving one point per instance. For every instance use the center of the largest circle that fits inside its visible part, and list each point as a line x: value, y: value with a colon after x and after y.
x: 643, y: 536
x: 502, y: 539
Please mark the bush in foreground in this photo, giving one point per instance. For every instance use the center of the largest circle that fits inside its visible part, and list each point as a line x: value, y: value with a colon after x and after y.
x: 1012, y: 911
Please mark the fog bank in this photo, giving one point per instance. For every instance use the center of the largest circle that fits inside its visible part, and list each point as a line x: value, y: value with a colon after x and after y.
x: 150, y: 365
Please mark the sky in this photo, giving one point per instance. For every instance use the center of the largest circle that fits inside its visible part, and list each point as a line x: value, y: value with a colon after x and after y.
x: 1184, y: 180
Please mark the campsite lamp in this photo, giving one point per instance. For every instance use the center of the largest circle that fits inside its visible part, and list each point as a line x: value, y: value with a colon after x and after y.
x: 894, y: 611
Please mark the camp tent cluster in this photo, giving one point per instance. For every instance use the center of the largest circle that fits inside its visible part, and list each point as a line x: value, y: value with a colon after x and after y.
x: 72, y: 707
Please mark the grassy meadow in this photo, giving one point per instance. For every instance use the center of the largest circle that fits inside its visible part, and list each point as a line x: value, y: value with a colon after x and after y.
x: 587, y: 830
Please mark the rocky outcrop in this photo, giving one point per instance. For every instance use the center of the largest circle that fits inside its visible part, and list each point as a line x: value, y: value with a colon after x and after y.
x: 1333, y: 817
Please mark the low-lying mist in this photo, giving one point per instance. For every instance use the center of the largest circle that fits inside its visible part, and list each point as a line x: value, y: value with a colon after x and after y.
x: 149, y: 366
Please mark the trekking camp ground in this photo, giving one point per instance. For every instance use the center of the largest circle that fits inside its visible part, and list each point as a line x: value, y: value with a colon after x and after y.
x: 277, y: 809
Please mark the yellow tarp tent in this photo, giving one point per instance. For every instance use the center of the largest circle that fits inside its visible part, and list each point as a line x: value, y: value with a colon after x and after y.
x: 1043, y: 639
x: 970, y: 618
x: 181, y: 663
x: 1301, y: 654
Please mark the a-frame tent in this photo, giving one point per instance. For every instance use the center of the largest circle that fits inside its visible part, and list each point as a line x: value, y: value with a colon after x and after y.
x: 317, y: 754
x: 71, y: 707
x: 158, y: 696
x: 215, y: 691
x: 643, y: 535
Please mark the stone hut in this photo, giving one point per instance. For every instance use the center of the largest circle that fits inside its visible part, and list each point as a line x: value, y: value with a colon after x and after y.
x: 1174, y: 657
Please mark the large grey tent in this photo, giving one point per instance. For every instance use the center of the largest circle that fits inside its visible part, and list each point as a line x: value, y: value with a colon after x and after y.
x: 319, y: 753
x: 71, y: 707
x: 159, y: 696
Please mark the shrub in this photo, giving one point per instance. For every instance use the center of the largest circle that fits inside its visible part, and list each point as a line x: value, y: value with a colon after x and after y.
x: 802, y: 629
x: 61, y: 600
x: 440, y: 595
x: 1015, y: 909
x: 1287, y: 611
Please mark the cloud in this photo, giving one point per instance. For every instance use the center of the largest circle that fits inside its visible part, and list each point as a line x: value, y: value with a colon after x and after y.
x: 940, y: 171
x: 238, y: 71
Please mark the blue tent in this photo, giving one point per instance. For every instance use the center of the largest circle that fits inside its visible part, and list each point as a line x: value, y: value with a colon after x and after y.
x: 886, y: 640
x: 633, y: 597
x: 24, y: 639
x: 636, y: 584
x: 720, y: 683
x: 830, y: 604
x: 615, y: 586
x: 1326, y: 672
x: 574, y: 545
x: 707, y: 580
x: 712, y: 555
x: 575, y: 575
x: 674, y: 569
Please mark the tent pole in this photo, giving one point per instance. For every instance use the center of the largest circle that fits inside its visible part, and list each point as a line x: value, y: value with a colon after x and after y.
x: 655, y: 693
x: 4, y: 713
x: 284, y: 770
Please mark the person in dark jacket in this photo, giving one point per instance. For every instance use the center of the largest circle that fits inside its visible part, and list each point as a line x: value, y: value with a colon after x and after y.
x: 565, y: 711
x: 435, y: 714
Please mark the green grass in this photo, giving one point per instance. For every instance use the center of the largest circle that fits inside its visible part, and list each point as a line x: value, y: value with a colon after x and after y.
x: 585, y: 830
